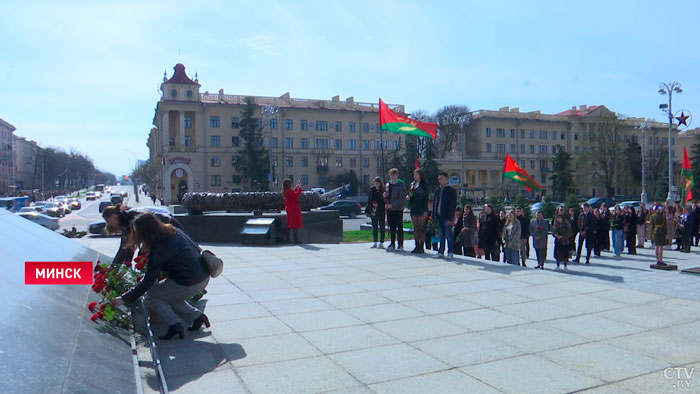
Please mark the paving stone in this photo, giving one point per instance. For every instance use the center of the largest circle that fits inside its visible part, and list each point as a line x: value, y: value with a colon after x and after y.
x: 335, y: 340
x: 270, y: 349
x: 383, y: 312
x: 466, y: 349
x: 447, y: 382
x: 482, y: 319
x: 419, y: 328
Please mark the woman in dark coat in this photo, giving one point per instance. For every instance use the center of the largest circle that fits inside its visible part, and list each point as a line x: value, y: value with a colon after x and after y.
x: 375, y: 210
x: 489, y: 234
x: 562, y: 233
x: 467, y: 235
x: 169, y: 250
x: 631, y: 229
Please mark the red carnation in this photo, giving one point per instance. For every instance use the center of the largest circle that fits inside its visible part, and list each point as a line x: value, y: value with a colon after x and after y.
x: 140, y: 266
x: 139, y: 278
x: 102, y: 307
x: 141, y: 258
x: 94, y: 317
x: 92, y: 306
x: 127, y: 263
x: 100, y: 314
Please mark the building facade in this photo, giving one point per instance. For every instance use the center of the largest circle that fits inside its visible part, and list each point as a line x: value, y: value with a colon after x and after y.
x: 7, y: 158
x: 28, y: 172
x: 531, y: 138
x: 195, y: 139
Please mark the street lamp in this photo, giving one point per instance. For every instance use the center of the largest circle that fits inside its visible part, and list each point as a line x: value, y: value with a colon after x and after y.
x: 644, y: 126
x: 669, y: 88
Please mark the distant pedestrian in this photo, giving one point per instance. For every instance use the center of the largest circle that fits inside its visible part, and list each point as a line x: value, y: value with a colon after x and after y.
x: 524, y: 235
x: 604, y: 231
x: 468, y: 234
x: 489, y: 234
x: 687, y: 225
x: 631, y: 221
x: 293, y: 209
x: 418, y: 204
x: 574, y: 221
x: 658, y: 224
x: 641, y: 225
x: 511, y: 239
x: 562, y: 233
x: 444, y: 205
x: 539, y: 228
x: 375, y: 211
x: 618, y: 230
x: 395, y: 199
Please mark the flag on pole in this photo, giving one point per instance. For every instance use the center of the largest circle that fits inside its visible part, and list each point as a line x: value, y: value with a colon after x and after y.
x: 513, y: 171
x: 391, y: 121
x: 687, y: 174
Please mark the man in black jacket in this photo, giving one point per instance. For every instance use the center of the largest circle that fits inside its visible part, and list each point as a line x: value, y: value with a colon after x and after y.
x: 524, y: 234
x: 444, y: 206
x: 587, y: 234
x: 696, y: 218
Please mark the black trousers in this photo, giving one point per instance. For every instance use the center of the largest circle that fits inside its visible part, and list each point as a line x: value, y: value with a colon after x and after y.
x: 396, y: 226
x: 378, y: 226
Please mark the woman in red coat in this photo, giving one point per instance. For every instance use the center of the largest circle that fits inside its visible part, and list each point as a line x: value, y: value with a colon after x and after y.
x: 291, y: 205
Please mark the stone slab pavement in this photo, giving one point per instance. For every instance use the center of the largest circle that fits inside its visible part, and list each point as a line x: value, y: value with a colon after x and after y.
x: 350, y: 319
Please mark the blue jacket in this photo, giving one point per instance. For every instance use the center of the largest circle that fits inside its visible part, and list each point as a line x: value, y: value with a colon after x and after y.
x: 448, y: 204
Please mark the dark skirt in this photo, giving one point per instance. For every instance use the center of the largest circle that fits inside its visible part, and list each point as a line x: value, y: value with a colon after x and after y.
x: 562, y: 251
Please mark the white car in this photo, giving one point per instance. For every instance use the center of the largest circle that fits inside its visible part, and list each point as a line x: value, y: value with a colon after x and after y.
x: 30, y: 209
x: 40, y: 219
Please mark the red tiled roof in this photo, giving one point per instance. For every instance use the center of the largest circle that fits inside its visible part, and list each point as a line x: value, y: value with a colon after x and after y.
x: 180, y: 76
x: 579, y: 111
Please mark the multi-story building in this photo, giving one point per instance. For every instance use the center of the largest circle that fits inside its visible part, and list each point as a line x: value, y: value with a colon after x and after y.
x: 196, y: 141
x: 532, y: 138
x: 7, y: 159
x: 27, y: 171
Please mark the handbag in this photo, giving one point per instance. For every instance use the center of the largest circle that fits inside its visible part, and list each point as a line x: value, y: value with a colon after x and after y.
x: 214, y: 263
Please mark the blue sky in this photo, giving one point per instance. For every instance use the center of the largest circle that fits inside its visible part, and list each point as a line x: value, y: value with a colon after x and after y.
x: 85, y: 75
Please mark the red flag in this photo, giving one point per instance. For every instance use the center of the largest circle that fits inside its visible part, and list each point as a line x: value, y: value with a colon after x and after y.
x: 391, y: 121
x: 687, y: 174
x: 513, y: 171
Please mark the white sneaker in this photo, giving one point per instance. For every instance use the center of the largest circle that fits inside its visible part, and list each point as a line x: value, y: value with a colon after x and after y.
x: 381, y: 245
x: 400, y: 248
x: 438, y: 256
x: 450, y: 256
x: 374, y: 246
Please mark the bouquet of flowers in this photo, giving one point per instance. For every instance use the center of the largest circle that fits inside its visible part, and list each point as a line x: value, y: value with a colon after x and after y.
x: 111, y: 282
x: 430, y: 225
x: 375, y: 204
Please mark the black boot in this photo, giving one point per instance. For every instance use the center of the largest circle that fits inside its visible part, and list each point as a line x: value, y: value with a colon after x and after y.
x: 197, y: 324
x: 173, y: 330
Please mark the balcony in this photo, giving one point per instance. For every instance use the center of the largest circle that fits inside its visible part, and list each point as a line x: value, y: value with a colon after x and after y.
x: 322, y: 169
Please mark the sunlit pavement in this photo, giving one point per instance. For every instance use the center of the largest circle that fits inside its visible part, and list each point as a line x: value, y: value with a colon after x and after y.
x: 347, y: 318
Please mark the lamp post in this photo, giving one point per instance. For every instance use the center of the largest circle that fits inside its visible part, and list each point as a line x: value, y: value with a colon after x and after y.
x: 643, y: 126
x: 669, y: 88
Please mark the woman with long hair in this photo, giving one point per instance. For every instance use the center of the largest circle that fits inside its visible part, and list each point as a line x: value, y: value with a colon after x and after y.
x: 172, y: 251
x: 467, y: 236
x: 489, y: 234
x: 511, y: 239
x: 418, y: 203
x: 631, y: 223
x: 291, y: 206
x: 375, y: 210
x: 562, y: 234
x: 618, y: 228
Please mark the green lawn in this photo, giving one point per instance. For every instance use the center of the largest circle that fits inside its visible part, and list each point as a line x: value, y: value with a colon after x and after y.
x: 365, y: 236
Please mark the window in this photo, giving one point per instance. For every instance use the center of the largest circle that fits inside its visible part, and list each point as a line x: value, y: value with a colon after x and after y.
x: 321, y: 180
x: 532, y: 148
x: 532, y: 134
x: 353, y: 144
x: 216, y: 161
x: 351, y: 127
x: 543, y: 134
x: 381, y: 144
x: 488, y: 132
x: 338, y: 127
x: 235, y: 122
x: 543, y: 164
x: 304, y: 125
x: 305, y: 161
x: 214, y: 140
x: 188, y: 122
x: 322, y: 161
x: 501, y: 148
x: 554, y: 149
x: 338, y: 144
x: 554, y: 135
x: 188, y: 140
x: 396, y: 144
x: 673, y: 141
x: 273, y: 142
x: 289, y: 143
x: 215, y: 121
x: 488, y: 148
x: 532, y: 164
x: 543, y: 178
x: 650, y: 141
x: 235, y: 141
x: 365, y: 162
x: 664, y: 141
x: 338, y: 162
x: 274, y: 161
x: 273, y: 124
x: 543, y: 148
x: 289, y: 161
x: 353, y: 162
x: 365, y: 144
x: 522, y: 134
x: 512, y: 148
x: 365, y: 179
x: 575, y: 136
x: 304, y: 143
x: 522, y: 163
x: 575, y: 149
x: 365, y: 127
x: 500, y: 133
x: 216, y: 180
x: 321, y: 125
x: 234, y: 161
x: 171, y: 141
x: 522, y: 148
x: 321, y: 143
x: 376, y: 127
x: 380, y: 163
x: 289, y: 124
x: 304, y: 180
x: 562, y: 136
x: 512, y: 133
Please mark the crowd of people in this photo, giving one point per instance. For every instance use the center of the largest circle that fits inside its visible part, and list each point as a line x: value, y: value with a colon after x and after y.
x: 508, y: 236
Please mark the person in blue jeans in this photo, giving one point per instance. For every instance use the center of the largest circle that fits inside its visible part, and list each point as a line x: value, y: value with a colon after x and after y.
x: 444, y: 206
x: 511, y: 238
x: 618, y: 230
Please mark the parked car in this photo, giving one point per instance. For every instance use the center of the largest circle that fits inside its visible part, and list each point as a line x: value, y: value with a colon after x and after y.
x: 31, y: 209
x: 40, y: 219
x: 40, y: 204
x: 74, y: 203
x: 596, y: 202
x: 624, y: 204
x: 103, y: 205
x: 54, y: 209
x: 99, y: 226
x: 66, y: 207
x: 346, y: 208
x: 116, y: 199
x: 534, y: 208
x: 91, y: 196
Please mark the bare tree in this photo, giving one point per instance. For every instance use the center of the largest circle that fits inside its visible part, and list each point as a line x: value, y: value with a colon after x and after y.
x: 603, y: 158
x: 453, y: 120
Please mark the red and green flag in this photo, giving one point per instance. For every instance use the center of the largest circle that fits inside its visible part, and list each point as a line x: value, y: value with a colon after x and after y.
x: 512, y: 170
x: 687, y: 174
x: 391, y: 121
